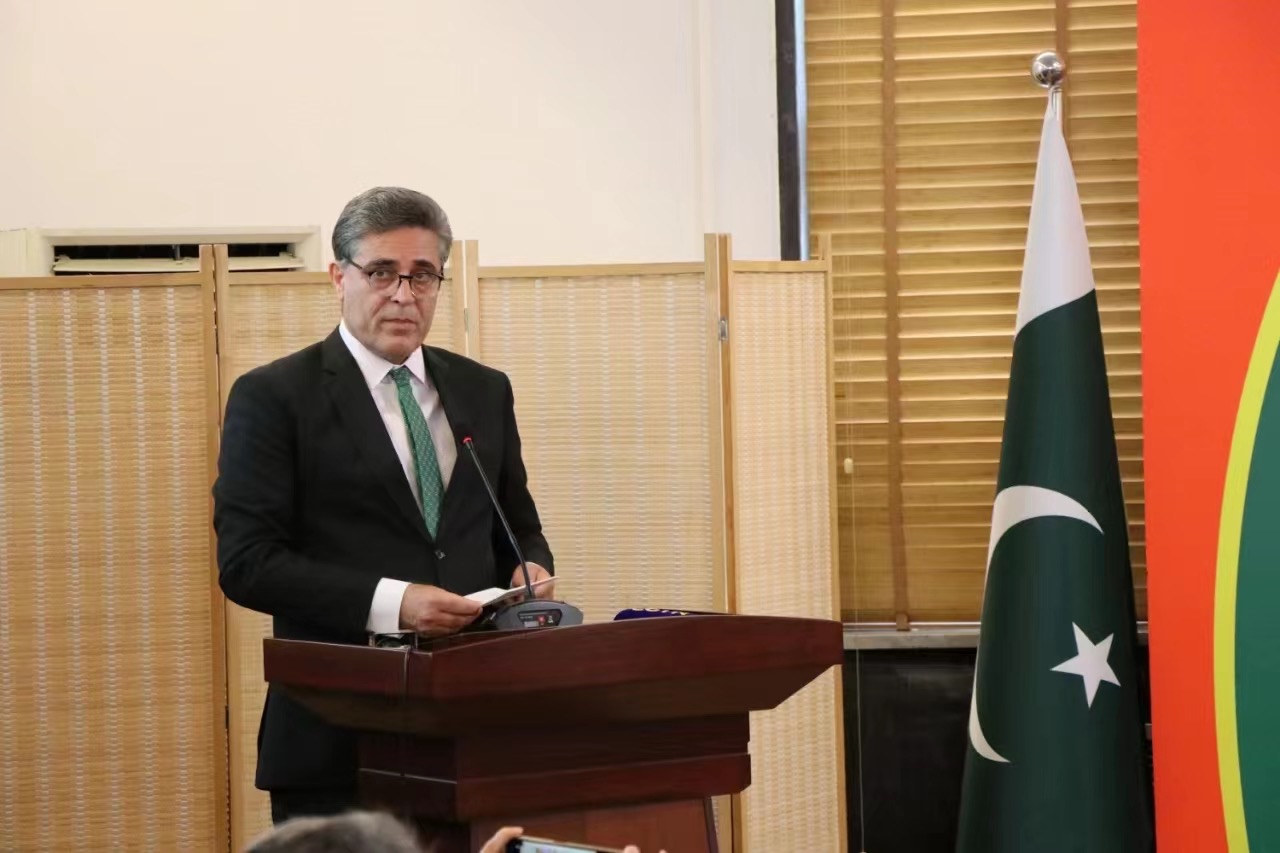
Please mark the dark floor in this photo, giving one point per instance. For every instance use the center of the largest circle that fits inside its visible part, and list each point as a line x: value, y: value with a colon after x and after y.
x: 914, y: 712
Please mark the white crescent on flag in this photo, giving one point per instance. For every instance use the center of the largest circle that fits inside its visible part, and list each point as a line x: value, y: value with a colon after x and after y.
x: 1013, y: 505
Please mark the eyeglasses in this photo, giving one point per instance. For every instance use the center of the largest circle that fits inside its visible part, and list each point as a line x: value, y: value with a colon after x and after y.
x: 384, y: 279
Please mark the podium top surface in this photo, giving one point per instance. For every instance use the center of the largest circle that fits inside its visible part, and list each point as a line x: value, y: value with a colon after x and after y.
x: 640, y: 668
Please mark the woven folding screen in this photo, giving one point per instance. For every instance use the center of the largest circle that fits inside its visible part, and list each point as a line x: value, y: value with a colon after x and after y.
x: 615, y: 372
x: 784, y: 551
x: 266, y: 316
x: 610, y: 374
x: 923, y: 127
x: 262, y: 317
x: 110, y: 655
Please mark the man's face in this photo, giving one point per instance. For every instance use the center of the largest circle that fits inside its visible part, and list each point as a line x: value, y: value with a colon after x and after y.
x: 392, y: 321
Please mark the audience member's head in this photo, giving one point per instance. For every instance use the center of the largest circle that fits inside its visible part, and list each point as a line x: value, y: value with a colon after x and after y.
x: 355, y: 832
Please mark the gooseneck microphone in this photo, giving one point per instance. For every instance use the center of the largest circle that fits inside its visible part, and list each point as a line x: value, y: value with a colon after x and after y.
x: 531, y: 613
x: 502, y: 516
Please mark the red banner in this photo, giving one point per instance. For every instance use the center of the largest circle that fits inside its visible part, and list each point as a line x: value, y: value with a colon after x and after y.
x: 1209, y: 207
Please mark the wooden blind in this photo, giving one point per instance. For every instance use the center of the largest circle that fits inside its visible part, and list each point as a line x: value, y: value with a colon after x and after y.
x: 923, y: 131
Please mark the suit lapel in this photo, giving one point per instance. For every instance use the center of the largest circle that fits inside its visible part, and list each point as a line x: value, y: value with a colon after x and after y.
x: 456, y: 410
x: 350, y: 395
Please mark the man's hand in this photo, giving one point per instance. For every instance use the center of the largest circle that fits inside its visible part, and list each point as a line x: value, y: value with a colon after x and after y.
x: 435, y: 612
x: 536, y: 573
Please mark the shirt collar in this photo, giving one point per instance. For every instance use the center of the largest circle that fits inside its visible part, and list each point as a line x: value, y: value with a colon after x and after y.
x: 374, y: 367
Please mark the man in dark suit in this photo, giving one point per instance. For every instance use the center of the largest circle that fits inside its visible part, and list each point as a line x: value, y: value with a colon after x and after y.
x: 342, y: 505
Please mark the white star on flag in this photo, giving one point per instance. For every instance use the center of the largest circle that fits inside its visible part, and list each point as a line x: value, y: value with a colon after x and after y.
x: 1090, y: 663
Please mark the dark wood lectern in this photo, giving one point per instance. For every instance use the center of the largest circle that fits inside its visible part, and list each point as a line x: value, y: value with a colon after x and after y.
x: 613, y: 734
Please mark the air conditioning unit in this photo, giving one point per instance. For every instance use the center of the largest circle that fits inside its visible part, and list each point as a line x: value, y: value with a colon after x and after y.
x: 106, y: 251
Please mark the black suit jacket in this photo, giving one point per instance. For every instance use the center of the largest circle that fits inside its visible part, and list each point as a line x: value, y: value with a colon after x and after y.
x: 312, y: 509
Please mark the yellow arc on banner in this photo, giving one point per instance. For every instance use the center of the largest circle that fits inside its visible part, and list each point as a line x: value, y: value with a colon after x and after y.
x: 1243, y: 443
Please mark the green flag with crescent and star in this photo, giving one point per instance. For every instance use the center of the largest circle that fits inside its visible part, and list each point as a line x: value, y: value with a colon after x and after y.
x: 1056, y: 758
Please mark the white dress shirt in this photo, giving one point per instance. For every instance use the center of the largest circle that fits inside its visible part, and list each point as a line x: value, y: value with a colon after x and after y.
x: 384, y: 614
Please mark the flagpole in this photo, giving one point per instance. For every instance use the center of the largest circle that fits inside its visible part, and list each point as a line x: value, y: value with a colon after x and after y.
x: 1048, y: 72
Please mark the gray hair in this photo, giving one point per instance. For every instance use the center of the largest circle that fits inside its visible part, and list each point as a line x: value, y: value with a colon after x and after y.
x: 353, y: 832
x: 383, y: 209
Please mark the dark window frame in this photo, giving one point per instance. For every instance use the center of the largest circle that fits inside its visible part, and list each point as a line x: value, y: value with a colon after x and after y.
x: 793, y: 202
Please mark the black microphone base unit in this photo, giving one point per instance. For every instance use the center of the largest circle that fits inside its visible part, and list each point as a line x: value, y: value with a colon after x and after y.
x: 538, y: 613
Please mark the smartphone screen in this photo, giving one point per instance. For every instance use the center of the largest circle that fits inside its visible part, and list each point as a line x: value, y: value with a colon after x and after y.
x: 525, y: 844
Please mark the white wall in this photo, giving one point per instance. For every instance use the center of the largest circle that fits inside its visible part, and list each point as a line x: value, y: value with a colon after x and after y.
x: 551, y: 130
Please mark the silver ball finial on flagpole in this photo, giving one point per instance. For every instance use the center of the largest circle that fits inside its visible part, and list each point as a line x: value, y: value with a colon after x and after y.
x: 1047, y: 69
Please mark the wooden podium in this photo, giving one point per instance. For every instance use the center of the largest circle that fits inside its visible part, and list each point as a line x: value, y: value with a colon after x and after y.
x: 616, y: 733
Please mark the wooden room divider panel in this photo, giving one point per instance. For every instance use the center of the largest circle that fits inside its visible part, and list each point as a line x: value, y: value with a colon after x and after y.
x: 111, y: 657
x: 609, y: 368
x: 263, y: 316
x: 782, y: 450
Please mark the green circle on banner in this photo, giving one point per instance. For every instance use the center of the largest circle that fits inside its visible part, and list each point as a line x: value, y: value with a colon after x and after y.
x: 1248, y: 651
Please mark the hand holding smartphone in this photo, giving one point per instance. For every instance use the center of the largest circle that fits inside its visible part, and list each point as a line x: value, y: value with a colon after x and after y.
x: 511, y: 839
x: 528, y: 844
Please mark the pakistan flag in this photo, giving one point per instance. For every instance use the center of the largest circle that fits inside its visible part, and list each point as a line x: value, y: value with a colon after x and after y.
x: 1056, y: 741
